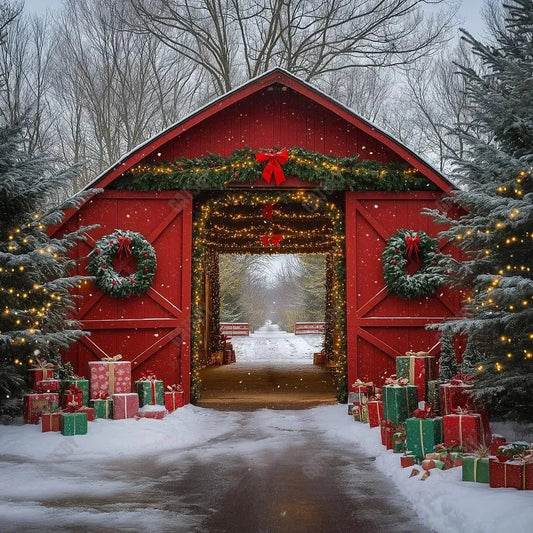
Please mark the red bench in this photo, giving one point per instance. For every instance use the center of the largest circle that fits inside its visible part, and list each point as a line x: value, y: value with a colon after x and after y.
x: 235, y: 329
x: 306, y: 328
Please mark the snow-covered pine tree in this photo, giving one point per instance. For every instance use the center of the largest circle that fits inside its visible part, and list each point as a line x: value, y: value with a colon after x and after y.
x: 448, y: 366
x: 496, y: 233
x: 35, y: 301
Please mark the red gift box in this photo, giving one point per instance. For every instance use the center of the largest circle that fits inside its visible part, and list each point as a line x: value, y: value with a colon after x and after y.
x: 173, y: 398
x: 89, y: 411
x: 47, y: 385
x: 125, y: 405
x: 34, y: 405
x: 109, y: 376
x: 387, y: 429
x: 421, y: 370
x: 375, y: 413
x: 72, y: 398
x: 463, y: 429
x: 495, y: 442
x: 41, y: 370
x: 515, y: 474
x: 455, y: 395
x: 157, y: 412
x: 51, y: 422
x: 407, y: 460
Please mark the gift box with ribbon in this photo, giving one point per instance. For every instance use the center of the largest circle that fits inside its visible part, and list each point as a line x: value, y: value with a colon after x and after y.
x: 387, y: 430
x: 150, y: 390
x: 375, y: 413
x: 82, y: 384
x: 125, y: 405
x: 423, y: 433
x: 34, y: 405
x: 157, y: 412
x: 418, y: 368
x: 41, y: 370
x: 88, y: 410
x: 433, y: 395
x: 399, y: 400
x: 456, y: 394
x: 360, y: 412
x: 398, y: 439
x: 73, y: 423
x: 173, y: 397
x: 51, y: 420
x: 72, y: 398
x: 109, y: 376
x: 517, y: 473
x: 407, y: 459
x: 360, y: 390
x: 465, y: 429
x: 103, y: 408
x: 476, y: 469
x: 495, y: 442
x: 47, y: 385
x: 430, y: 464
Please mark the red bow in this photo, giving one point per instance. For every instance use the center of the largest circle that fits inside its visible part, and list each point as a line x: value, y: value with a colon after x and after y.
x: 271, y: 240
x: 148, y: 376
x: 412, y: 246
x: 426, y: 412
x: 273, y: 166
x: 267, y: 211
x: 175, y: 388
x: 123, y: 246
x: 460, y: 379
x: 73, y: 389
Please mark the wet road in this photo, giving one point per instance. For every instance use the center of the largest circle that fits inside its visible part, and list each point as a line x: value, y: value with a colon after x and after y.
x: 268, y: 473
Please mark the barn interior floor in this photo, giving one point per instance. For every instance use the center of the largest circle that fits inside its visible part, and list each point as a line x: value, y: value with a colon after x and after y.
x: 252, y: 386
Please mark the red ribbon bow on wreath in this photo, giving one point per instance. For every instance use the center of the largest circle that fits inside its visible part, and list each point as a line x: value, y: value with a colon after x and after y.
x: 273, y: 166
x: 123, y: 246
x: 412, y: 246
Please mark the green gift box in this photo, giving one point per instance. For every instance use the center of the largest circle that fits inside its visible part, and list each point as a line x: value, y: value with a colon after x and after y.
x: 423, y: 434
x: 476, y: 469
x: 83, y: 384
x: 398, y: 440
x: 399, y: 402
x: 73, y: 423
x: 151, y: 392
x: 433, y: 395
x: 102, y: 408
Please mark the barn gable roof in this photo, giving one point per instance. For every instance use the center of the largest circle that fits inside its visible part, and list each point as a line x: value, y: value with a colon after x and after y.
x: 272, y: 77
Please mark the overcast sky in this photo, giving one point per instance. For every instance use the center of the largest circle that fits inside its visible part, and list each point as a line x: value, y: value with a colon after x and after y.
x: 470, y: 11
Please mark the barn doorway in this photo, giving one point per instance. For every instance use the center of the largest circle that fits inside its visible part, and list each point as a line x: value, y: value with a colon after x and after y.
x: 273, y: 367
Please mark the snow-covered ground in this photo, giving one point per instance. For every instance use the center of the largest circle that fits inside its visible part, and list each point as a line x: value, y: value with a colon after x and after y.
x: 102, y: 480
x: 271, y: 344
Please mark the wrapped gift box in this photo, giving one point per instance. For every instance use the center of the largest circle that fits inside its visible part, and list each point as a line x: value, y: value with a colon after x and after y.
x: 430, y: 464
x: 495, y: 442
x: 398, y: 440
x: 125, y: 405
x: 516, y: 474
x: 41, y: 370
x: 34, y: 405
x: 71, y: 400
x: 51, y: 422
x: 173, y: 400
x: 88, y: 410
x: 464, y: 429
x: 47, y: 385
x: 387, y: 430
x: 455, y: 395
x: 433, y: 395
x: 109, y: 377
x: 423, y: 434
x: 73, y: 424
x: 150, y: 391
x: 375, y: 413
x: 476, y: 469
x: 82, y: 384
x: 360, y: 412
x: 407, y: 460
x: 360, y: 392
x: 157, y: 412
x: 418, y: 370
x: 399, y: 402
x: 102, y: 408
x: 319, y: 358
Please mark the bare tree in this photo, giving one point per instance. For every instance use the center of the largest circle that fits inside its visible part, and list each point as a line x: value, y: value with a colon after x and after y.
x: 234, y: 40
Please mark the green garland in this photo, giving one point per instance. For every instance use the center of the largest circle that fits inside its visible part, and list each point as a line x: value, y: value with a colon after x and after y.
x: 108, y: 280
x: 213, y: 171
x: 425, y: 281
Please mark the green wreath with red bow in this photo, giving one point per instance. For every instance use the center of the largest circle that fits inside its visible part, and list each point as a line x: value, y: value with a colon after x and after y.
x: 119, y: 246
x: 406, y: 246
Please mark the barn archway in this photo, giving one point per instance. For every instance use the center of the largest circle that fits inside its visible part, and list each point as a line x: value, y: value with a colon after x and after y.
x: 266, y: 222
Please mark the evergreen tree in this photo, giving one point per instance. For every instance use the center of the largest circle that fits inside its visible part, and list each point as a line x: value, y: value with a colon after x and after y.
x: 448, y: 367
x: 35, y: 298
x: 496, y: 232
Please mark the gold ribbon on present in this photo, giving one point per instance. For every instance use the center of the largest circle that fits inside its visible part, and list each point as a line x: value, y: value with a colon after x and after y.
x: 41, y: 364
x: 111, y: 376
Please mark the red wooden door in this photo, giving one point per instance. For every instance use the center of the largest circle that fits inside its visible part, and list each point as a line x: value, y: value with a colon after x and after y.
x: 380, y: 326
x: 153, y: 330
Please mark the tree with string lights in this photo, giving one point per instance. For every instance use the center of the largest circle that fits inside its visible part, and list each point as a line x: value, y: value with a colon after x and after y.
x: 35, y: 298
x: 496, y: 233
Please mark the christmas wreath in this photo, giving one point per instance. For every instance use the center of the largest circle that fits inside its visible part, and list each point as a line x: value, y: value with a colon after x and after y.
x: 122, y: 244
x: 405, y: 246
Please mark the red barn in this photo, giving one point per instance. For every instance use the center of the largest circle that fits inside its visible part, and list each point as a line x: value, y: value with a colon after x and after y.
x: 172, y: 327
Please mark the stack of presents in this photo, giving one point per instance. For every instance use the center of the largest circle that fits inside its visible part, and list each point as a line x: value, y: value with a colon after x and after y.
x: 436, y: 425
x: 226, y: 354
x: 67, y: 406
